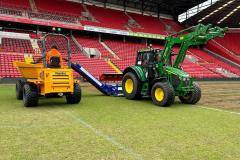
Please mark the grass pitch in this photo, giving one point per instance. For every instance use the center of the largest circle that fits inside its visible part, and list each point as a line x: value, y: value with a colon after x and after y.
x: 114, y: 128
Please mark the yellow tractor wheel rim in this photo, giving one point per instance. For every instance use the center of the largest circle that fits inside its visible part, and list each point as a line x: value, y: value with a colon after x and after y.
x: 159, y: 94
x: 129, y: 86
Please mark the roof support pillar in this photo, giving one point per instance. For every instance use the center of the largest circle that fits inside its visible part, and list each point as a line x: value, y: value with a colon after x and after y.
x: 105, y: 3
x: 158, y: 10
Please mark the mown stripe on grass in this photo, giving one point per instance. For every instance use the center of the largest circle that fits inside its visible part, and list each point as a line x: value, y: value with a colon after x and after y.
x: 97, y: 132
x: 220, y: 110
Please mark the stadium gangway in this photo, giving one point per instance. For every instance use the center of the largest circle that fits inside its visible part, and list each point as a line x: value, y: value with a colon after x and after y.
x: 107, y: 89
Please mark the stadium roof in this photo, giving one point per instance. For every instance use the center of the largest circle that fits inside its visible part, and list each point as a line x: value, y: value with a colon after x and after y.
x: 222, y: 13
x: 172, y: 7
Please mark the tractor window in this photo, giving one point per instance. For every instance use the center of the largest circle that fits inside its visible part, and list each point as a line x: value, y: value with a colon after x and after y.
x: 149, y: 57
x: 146, y: 58
x: 158, y: 56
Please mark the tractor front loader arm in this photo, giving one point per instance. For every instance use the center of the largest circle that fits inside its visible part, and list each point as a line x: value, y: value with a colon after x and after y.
x: 196, y: 35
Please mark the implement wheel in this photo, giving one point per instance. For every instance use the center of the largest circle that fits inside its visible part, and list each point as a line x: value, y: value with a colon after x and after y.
x: 193, y: 97
x: 131, y: 86
x: 162, y: 94
x: 30, y: 95
x: 19, y: 89
x: 76, y: 96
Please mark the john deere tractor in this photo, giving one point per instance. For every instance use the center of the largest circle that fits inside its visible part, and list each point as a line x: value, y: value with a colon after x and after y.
x: 158, y: 73
x: 39, y: 79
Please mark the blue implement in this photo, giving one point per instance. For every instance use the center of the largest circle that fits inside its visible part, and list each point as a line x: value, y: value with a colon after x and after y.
x: 107, y: 89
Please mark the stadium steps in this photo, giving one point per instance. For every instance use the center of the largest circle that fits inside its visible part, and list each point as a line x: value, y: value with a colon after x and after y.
x: 218, y: 56
x: 110, y: 63
x: 226, y: 73
x: 90, y: 14
x: 79, y: 46
x: 131, y: 18
x: 34, y: 44
x: 211, y: 67
x: 33, y: 5
x: 168, y: 28
x: 128, y: 28
x: 109, y: 50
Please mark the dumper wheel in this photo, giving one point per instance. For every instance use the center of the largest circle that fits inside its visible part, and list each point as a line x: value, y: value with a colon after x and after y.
x: 162, y: 94
x: 131, y: 86
x: 193, y: 97
x: 30, y: 95
x: 75, y: 97
x: 19, y: 89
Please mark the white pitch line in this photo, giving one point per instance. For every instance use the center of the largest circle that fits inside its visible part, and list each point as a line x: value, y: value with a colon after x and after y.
x: 129, y: 151
x: 220, y: 110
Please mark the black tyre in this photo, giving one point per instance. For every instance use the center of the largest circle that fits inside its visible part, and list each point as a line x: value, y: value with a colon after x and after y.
x: 162, y: 94
x: 30, y: 95
x: 75, y: 97
x: 19, y: 89
x: 193, y: 97
x: 131, y: 86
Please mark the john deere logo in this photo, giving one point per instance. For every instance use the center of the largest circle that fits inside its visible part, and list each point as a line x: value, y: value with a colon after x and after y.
x: 60, y: 73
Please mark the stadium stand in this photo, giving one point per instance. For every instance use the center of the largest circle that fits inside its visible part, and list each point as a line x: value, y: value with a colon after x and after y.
x: 126, y: 51
x: 149, y: 24
x: 91, y: 42
x: 91, y: 65
x: 176, y: 27
x: 219, y: 49
x: 16, y: 4
x: 51, y: 17
x: 11, y: 12
x: 59, y: 7
x: 16, y: 45
x: 71, y: 12
x: 60, y: 43
x: 214, y: 61
x: 199, y: 71
x: 6, y: 66
x: 231, y: 42
x: 107, y: 18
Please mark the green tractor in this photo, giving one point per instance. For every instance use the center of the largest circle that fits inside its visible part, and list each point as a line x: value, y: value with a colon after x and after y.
x: 159, y: 75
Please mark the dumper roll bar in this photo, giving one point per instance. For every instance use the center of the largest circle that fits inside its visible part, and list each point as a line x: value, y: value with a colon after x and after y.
x: 45, y: 49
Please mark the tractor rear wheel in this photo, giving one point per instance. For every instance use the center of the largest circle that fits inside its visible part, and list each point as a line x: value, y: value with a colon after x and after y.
x: 162, y: 94
x: 75, y: 97
x: 30, y: 95
x: 131, y: 86
x: 193, y: 97
x: 19, y: 89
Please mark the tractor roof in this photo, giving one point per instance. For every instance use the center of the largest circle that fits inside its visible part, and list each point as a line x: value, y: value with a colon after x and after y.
x: 144, y: 50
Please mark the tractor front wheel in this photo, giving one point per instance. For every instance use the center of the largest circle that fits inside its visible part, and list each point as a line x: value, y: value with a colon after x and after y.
x: 75, y: 97
x: 193, y: 97
x: 30, y: 95
x: 162, y: 94
x: 131, y: 86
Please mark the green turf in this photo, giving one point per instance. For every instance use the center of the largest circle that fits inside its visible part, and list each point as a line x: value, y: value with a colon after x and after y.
x: 111, y: 128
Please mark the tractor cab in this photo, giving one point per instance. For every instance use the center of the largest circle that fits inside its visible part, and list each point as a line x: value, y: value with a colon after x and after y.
x: 148, y: 59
